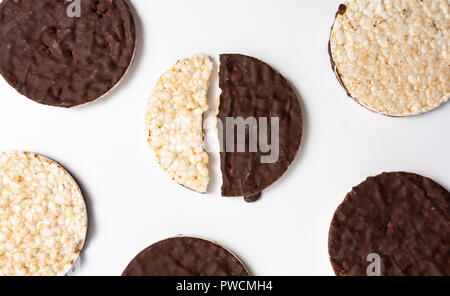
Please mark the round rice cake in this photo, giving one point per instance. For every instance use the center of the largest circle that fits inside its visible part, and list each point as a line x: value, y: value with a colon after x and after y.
x: 402, y: 217
x: 43, y: 217
x: 256, y: 102
x: 185, y: 256
x: 64, y: 60
x: 174, y: 121
x: 392, y: 56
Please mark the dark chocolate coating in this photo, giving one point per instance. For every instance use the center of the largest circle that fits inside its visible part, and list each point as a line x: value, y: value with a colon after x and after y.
x: 58, y: 60
x: 403, y: 217
x: 185, y: 256
x: 251, y: 88
x: 253, y: 198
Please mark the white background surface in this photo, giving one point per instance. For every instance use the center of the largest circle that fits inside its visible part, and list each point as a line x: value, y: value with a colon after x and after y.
x: 133, y: 204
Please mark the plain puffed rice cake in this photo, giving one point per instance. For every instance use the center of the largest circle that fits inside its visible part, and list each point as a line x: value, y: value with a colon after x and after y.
x: 174, y: 121
x: 43, y: 217
x: 393, y: 55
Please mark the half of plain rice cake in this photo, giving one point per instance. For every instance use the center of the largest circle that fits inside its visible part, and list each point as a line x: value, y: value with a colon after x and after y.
x: 174, y: 121
x: 392, y: 56
x: 43, y: 216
